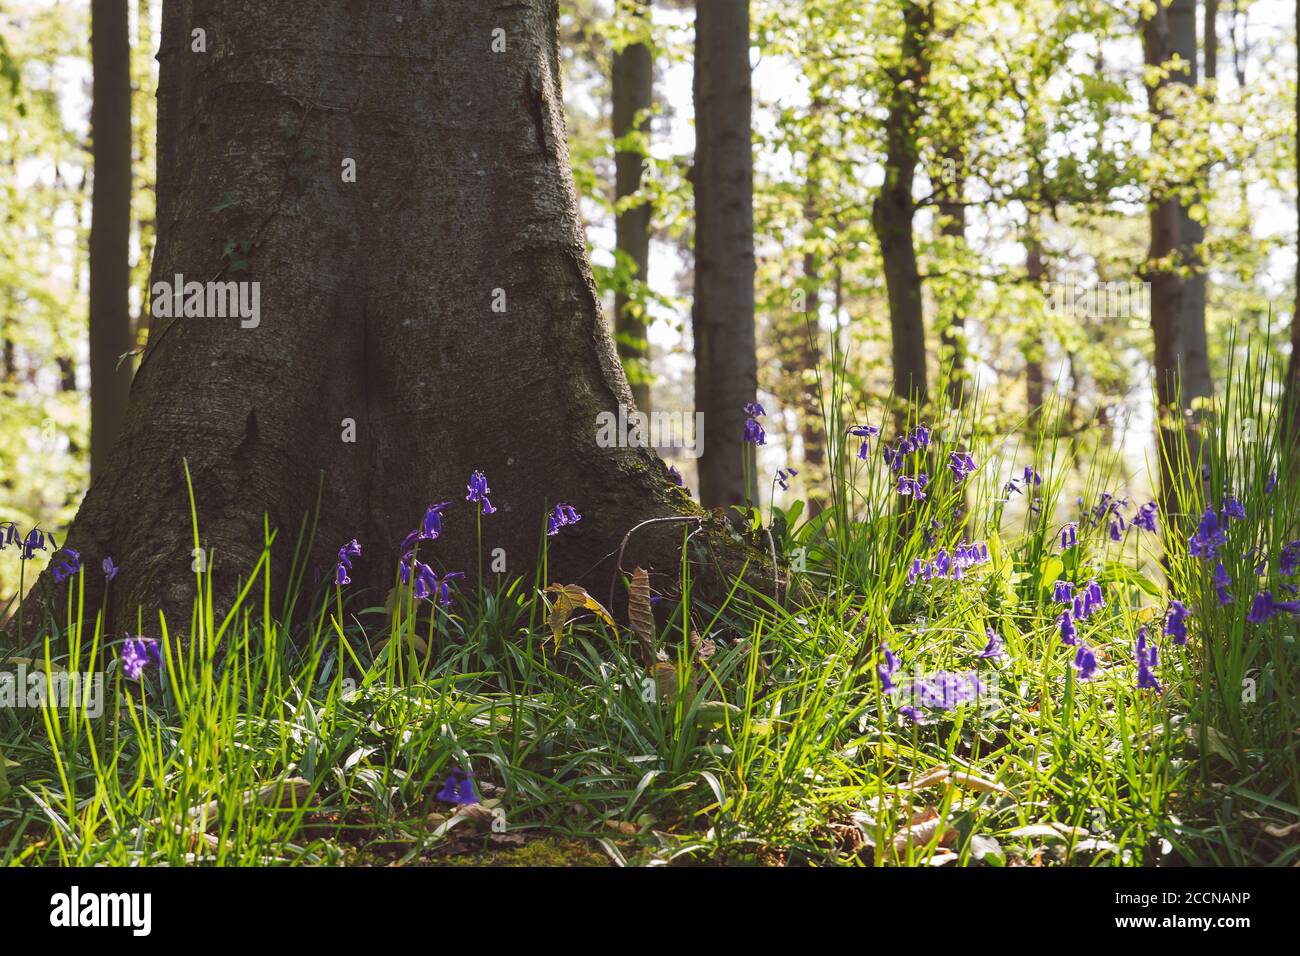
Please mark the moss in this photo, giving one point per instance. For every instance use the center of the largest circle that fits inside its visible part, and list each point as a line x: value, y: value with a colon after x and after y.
x: 542, y: 852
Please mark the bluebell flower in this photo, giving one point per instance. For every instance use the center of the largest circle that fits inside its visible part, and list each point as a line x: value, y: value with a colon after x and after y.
x: 1146, y: 517
x: 136, y: 654
x: 1085, y: 662
x: 911, y: 713
x: 783, y: 477
x: 1271, y: 483
x: 886, y: 669
x: 346, y: 554
x: 110, y: 569
x: 35, y: 541
x: 1031, y: 478
x: 1065, y: 623
x: 994, y: 647
x: 1208, y: 539
x: 1288, y: 561
x: 9, y: 534
x: 754, y: 410
x: 962, y: 465
x: 676, y: 475
x: 944, y: 690
x: 1176, y: 622
x: 458, y: 788
x: 1264, y: 607
x: 1221, y: 583
x: 1147, y: 658
x: 1063, y: 592
x: 561, y: 516
x: 69, y: 567
x: 913, y: 487
x: 1232, y: 508
x: 754, y: 433
x: 1069, y: 536
x: 478, y: 493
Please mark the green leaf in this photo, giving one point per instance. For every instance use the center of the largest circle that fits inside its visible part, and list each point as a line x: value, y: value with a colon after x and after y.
x: 4, y: 778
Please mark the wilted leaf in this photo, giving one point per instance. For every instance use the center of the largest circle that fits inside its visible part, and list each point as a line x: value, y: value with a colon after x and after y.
x: 570, y: 598
x: 987, y: 850
x: 979, y: 783
x: 921, y: 831
x: 931, y: 778
x: 715, y: 713
x: 1271, y: 829
x: 704, y: 649
x: 665, y: 677
x: 642, y: 615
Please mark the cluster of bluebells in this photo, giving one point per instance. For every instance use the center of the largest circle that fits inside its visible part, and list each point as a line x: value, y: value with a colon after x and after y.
x: 917, y: 440
x: 138, y: 653
x: 346, y: 554
x: 962, y: 465
x: 754, y: 433
x: 1081, y: 606
x: 1176, y: 622
x: 458, y: 788
x: 28, y: 544
x: 561, y: 516
x: 943, y: 690
x: 69, y: 567
x: 1030, y: 479
x: 1147, y: 658
x: 783, y: 476
x: 953, y: 566
x: 1264, y: 607
x: 479, y: 491
x: 993, y: 649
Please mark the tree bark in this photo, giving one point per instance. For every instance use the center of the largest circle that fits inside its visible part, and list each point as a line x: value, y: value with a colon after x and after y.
x: 1291, y: 412
x: 894, y: 208
x: 110, y: 229
x: 376, y: 308
x: 949, y: 182
x: 1034, y: 358
x: 632, y: 80
x: 726, y: 364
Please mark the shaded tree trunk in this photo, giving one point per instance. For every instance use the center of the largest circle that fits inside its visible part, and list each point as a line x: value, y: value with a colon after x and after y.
x: 110, y: 229
x: 1292, y: 401
x: 726, y: 364
x: 894, y: 208
x: 376, y: 310
x: 1034, y: 351
x: 632, y: 77
x: 949, y: 182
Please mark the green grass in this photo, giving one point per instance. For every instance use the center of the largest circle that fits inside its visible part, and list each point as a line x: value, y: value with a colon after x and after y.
x: 580, y: 760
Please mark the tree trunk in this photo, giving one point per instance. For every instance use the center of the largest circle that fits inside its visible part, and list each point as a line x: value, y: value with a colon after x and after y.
x: 894, y: 207
x: 726, y: 365
x: 376, y: 309
x: 1166, y: 282
x: 632, y: 79
x: 110, y: 229
x: 1196, y: 381
x: 949, y: 182
x: 1292, y: 405
x: 1034, y: 357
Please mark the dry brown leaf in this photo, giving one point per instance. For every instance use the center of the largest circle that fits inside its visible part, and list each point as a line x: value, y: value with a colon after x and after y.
x: 641, y: 614
x: 1282, y: 832
x: 570, y: 598
x: 925, y: 825
x: 665, y: 677
x: 979, y: 783
x: 704, y: 649
x: 931, y: 778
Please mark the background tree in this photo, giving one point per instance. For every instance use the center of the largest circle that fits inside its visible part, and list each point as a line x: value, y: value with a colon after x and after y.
x: 726, y: 365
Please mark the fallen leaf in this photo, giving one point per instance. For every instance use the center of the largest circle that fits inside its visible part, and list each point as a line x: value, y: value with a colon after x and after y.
x: 979, y: 783
x: 570, y: 598
x: 641, y: 614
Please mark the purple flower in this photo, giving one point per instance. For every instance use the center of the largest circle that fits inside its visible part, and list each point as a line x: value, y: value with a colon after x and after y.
x: 1264, y: 607
x: 9, y: 534
x: 1176, y: 622
x: 562, y: 515
x: 866, y: 433
x: 887, y: 668
x: 913, y: 487
x: 429, y: 529
x: 1069, y: 536
x: 346, y: 554
x: 1232, y: 508
x: 993, y: 648
x: 69, y: 567
x: 1147, y: 658
x: 1085, y: 662
x: 1031, y: 478
x: 1221, y: 583
x: 1289, y: 558
x: 962, y: 465
x: 1146, y: 517
x: 676, y: 475
x: 754, y: 433
x: 1069, y: 634
x: 911, y: 713
x: 783, y: 477
x: 1117, y: 528
x: 478, y: 492
x: 1063, y: 592
x: 458, y: 788
x: 1208, y: 539
x: 919, y: 439
x: 754, y: 410
x: 944, y: 690
x: 35, y: 541
x: 110, y: 569
x: 1271, y: 483
x: 136, y: 654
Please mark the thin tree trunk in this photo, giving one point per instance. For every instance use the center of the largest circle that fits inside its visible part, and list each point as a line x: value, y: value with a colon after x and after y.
x: 1292, y: 405
x: 894, y: 207
x: 726, y: 365
x: 952, y: 225
x: 110, y: 229
x: 632, y: 77
x: 376, y: 311
x: 1034, y: 357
